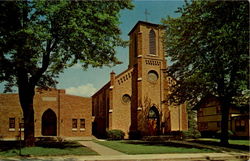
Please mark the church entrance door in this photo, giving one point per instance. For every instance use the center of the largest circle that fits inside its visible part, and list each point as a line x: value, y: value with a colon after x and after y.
x: 153, y: 121
x: 49, y: 123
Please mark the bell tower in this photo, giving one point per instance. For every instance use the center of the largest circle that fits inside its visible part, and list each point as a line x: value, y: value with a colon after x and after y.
x: 146, y: 56
x: 146, y: 41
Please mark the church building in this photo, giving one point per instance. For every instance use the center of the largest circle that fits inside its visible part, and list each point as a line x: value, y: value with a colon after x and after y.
x: 134, y: 101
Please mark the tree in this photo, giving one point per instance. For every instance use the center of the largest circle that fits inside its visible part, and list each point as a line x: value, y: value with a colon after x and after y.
x: 209, y: 46
x: 192, y: 124
x: 39, y: 39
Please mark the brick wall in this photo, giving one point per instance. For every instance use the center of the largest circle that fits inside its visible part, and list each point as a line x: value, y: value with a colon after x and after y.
x: 66, y: 107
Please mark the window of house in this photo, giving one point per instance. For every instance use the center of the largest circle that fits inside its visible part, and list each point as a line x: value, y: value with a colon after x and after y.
x: 218, y: 123
x: 200, y: 112
x: 21, y: 124
x: 199, y: 125
x: 74, y: 123
x: 82, y: 123
x: 11, y: 123
x: 202, y: 125
x: 240, y: 125
x: 205, y: 125
x: 218, y: 109
x: 152, y: 45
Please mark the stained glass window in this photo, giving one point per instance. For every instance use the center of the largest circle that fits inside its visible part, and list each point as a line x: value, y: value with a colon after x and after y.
x: 152, y: 76
x: 126, y: 98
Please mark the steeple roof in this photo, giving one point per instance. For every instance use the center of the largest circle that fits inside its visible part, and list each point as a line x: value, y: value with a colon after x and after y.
x: 145, y: 23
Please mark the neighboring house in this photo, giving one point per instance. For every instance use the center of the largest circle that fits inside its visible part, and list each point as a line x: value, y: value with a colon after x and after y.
x: 56, y: 114
x: 134, y: 100
x: 209, y: 118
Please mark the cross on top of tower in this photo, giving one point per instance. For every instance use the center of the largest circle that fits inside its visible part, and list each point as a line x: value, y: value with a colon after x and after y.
x: 146, y: 14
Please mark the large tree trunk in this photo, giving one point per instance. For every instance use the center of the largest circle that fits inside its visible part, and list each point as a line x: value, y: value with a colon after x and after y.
x: 26, y: 99
x: 224, y: 121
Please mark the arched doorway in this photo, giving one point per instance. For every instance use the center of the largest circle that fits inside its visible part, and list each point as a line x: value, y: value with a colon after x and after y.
x: 153, y: 121
x: 49, y: 123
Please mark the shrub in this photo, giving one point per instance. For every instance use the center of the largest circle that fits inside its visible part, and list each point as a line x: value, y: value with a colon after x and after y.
x: 230, y: 133
x: 115, y: 134
x: 135, y: 135
x: 194, y: 133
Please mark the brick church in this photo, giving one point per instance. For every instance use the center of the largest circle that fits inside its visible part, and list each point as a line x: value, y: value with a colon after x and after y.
x: 132, y: 101
x: 135, y: 100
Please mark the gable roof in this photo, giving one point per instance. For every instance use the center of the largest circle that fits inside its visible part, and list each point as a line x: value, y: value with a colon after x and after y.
x: 204, y: 99
x: 242, y: 108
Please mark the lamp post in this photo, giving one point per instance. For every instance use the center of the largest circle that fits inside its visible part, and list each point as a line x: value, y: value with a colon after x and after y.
x: 20, y: 134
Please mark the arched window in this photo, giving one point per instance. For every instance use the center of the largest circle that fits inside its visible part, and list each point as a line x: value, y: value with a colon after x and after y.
x: 153, y: 121
x: 153, y: 113
x: 152, y: 43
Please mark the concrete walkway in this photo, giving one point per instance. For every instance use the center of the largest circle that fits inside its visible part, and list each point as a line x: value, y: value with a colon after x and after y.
x: 100, y: 149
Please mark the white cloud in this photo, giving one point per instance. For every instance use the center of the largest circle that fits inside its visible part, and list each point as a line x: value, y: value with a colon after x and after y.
x: 77, y: 66
x: 86, y: 90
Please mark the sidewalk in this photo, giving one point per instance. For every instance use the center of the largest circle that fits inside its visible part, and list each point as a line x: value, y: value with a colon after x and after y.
x: 100, y: 149
x: 146, y: 157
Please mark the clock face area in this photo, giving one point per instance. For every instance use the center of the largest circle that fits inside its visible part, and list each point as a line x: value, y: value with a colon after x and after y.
x: 153, y: 76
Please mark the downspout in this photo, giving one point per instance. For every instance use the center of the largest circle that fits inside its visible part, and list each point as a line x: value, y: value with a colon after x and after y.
x: 179, y: 117
x: 161, y: 79
x: 58, y: 103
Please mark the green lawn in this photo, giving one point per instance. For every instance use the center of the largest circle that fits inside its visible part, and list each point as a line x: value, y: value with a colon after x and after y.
x: 141, y: 147
x: 234, y: 142
x: 10, y: 149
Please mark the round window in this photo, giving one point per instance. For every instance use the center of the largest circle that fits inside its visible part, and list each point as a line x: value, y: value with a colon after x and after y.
x: 152, y: 76
x: 126, y: 98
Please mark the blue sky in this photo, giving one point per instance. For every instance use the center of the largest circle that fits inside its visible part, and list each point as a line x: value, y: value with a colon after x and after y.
x: 85, y: 82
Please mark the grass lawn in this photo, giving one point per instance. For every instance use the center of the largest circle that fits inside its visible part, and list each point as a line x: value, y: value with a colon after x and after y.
x: 44, y: 148
x: 234, y: 142
x: 142, y: 147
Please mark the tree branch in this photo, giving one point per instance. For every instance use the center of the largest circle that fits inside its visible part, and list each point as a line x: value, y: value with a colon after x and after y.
x: 45, y: 62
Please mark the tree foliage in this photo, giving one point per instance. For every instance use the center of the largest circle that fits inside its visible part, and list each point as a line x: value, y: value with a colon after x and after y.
x: 45, y: 37
x: 209, y: 47
x: 39, y: 39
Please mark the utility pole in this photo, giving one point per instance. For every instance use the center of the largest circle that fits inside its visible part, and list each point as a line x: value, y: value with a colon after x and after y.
x: 20, y: 135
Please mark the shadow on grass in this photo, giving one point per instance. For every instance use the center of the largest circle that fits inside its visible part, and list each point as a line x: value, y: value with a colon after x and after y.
x: 11, y: 145
x: 60, y: 145
x: 217, y: 144
x: 201, y: 144
x: 179, y: 144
